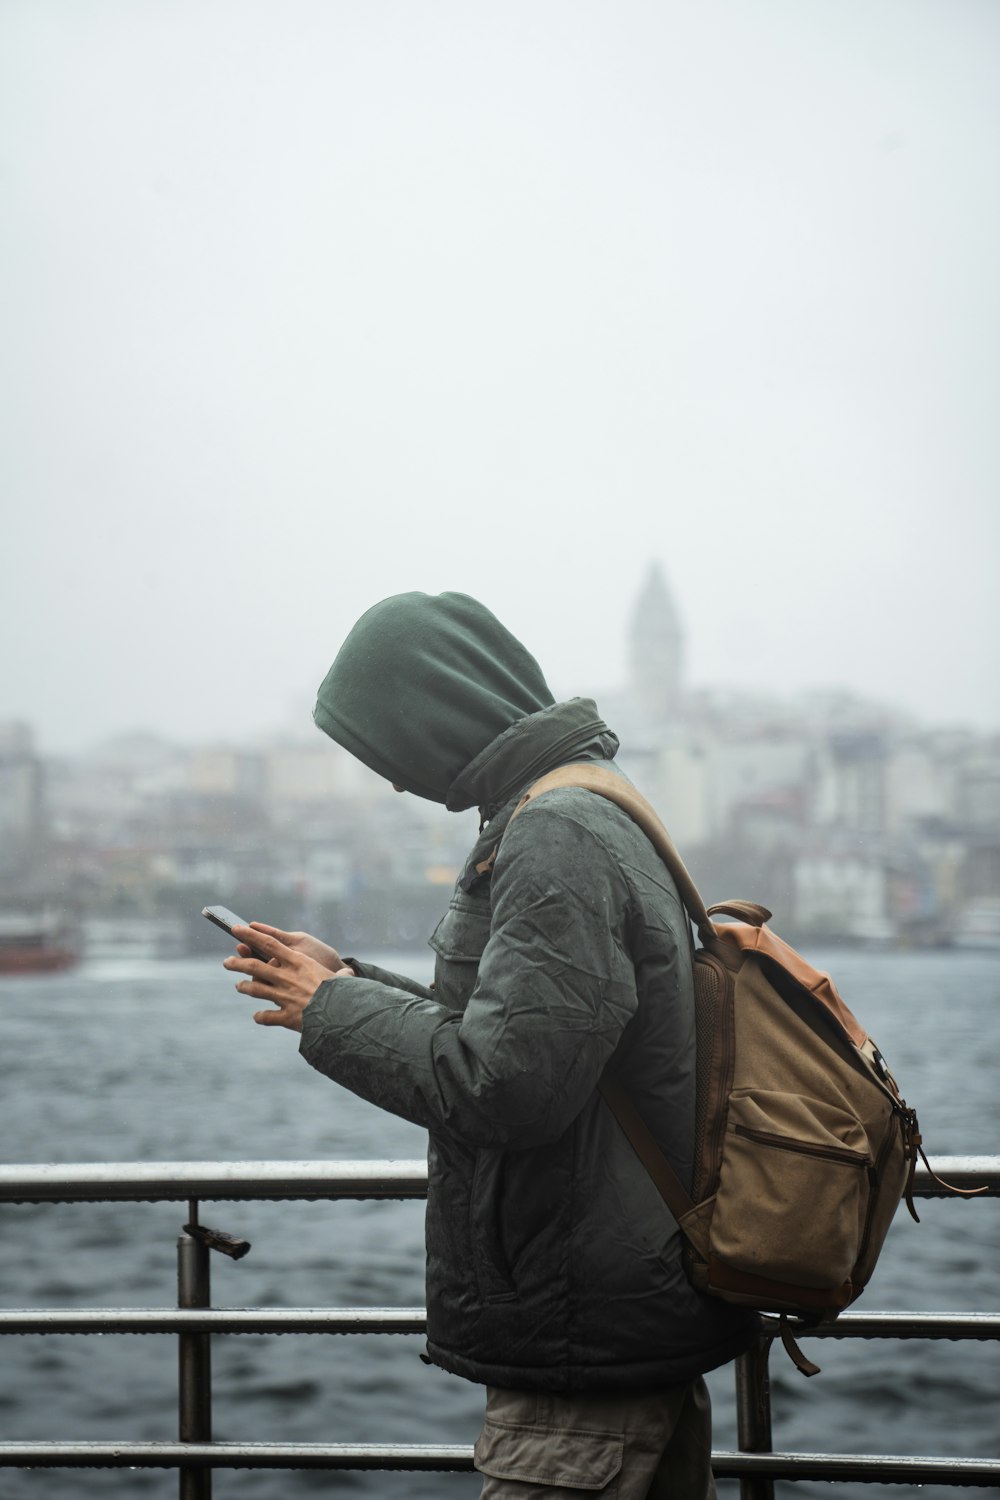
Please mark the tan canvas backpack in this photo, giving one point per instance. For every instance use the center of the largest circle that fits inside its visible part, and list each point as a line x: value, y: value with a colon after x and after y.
x: 804, y: 1146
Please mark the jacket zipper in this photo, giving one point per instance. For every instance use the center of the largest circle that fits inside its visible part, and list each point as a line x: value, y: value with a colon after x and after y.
x: 805, y: 1148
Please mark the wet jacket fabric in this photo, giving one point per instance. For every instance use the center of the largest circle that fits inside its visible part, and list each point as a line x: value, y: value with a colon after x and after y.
x: 552, y: 1262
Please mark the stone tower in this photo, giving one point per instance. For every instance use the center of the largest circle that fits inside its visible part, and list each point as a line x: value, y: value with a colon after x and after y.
x: 655, y: 646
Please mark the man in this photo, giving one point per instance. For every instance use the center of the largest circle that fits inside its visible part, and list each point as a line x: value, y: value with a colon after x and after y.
x: 554, y: 1272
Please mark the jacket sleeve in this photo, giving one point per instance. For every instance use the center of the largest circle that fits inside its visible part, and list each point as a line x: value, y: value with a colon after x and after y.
x: 555, y: 989
x: 386, y: 976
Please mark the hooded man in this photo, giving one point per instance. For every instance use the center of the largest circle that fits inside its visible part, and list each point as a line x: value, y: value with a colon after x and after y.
x: 554, y: 1270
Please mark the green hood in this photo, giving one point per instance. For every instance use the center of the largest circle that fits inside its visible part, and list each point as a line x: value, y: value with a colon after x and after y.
x: 423, y: 684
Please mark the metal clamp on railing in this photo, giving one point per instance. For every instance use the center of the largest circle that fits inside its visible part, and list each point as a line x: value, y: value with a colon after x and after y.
x: 218, y: 1239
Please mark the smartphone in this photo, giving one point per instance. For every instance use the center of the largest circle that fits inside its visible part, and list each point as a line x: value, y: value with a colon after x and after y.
x: 227, y: 920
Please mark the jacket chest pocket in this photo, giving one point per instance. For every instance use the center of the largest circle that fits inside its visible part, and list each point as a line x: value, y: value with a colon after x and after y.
x: 459, y: 940
x: 462, y: 933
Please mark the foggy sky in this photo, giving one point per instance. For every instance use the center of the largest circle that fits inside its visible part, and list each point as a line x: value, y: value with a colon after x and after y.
x: 306, y: 304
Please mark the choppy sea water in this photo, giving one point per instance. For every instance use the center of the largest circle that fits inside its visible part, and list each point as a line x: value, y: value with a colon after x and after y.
x: 140, y: 1060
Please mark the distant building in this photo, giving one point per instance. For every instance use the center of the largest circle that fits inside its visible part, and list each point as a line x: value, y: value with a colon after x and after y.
x: 850, y: 782
x: 656, y: 651
x: 222, y: 771
x: 843, y: 895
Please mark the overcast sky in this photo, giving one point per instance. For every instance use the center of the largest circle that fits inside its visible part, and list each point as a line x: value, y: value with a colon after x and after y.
x: 304, y: 304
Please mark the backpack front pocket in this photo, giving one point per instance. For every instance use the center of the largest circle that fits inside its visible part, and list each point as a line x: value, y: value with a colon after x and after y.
x: 793, y: 1190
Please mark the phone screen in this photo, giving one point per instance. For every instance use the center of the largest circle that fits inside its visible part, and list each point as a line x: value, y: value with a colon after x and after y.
x: 227, y: 920
x: 223, y: 917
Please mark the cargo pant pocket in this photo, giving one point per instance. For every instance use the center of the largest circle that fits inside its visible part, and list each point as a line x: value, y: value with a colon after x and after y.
x: 570, y: 1459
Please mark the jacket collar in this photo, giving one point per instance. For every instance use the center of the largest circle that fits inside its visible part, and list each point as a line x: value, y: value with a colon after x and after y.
x: 528, y: 749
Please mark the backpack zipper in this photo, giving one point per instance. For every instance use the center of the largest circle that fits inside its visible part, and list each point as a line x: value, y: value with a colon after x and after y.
x: 805, y: 1148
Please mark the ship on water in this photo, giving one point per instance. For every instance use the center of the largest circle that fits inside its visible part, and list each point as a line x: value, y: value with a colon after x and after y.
x: 42, y: 941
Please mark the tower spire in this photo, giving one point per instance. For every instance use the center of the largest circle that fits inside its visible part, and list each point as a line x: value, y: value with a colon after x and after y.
x: 656, y: 644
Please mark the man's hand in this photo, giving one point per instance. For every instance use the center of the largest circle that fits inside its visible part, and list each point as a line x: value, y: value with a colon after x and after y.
x: 302, y: 942
x: 287, y: 976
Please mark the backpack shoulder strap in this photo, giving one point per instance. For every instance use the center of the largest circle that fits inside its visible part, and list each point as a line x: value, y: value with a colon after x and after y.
x: 646, y: 1148
x: 615, y: 788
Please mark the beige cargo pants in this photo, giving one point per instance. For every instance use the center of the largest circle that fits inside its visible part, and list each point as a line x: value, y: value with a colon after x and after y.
x: 642, y: 1445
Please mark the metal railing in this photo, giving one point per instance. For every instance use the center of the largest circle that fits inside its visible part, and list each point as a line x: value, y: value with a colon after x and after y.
x: 194, y: 1322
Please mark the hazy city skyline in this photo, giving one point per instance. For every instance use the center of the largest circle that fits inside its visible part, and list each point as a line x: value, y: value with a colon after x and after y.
x: 305, y: 306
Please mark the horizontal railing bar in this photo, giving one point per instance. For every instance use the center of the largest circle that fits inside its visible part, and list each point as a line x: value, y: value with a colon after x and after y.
x: 872, y: 1468
x: 176, y: 1181
x: 81, y: 1320
x: 390, y: 1456
x: 347, y: 1320
x: 866, y: 1468
x: 901, y: 1325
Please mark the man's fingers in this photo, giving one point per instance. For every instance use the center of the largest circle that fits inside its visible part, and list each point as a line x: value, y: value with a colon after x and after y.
x: 268, y: 1017
x: 256, y: 990
x: 277, y: 932
x: 246, y: 952
x: 289, y: 1019
x: 261, y: 942
x: 246, y: 963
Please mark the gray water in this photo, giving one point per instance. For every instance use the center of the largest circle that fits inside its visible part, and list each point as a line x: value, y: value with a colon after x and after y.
x: 145, y: 1060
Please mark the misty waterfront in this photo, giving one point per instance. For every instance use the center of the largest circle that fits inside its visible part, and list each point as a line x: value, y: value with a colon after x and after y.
x: 853, y: 822
x: 143, y: 1059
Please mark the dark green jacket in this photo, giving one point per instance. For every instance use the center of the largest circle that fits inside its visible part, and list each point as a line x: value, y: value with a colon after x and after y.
x: 552, y: 1262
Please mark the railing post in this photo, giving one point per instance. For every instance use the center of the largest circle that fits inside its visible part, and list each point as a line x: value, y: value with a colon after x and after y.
x: 194, y: 1361
x: 753, y: 1415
